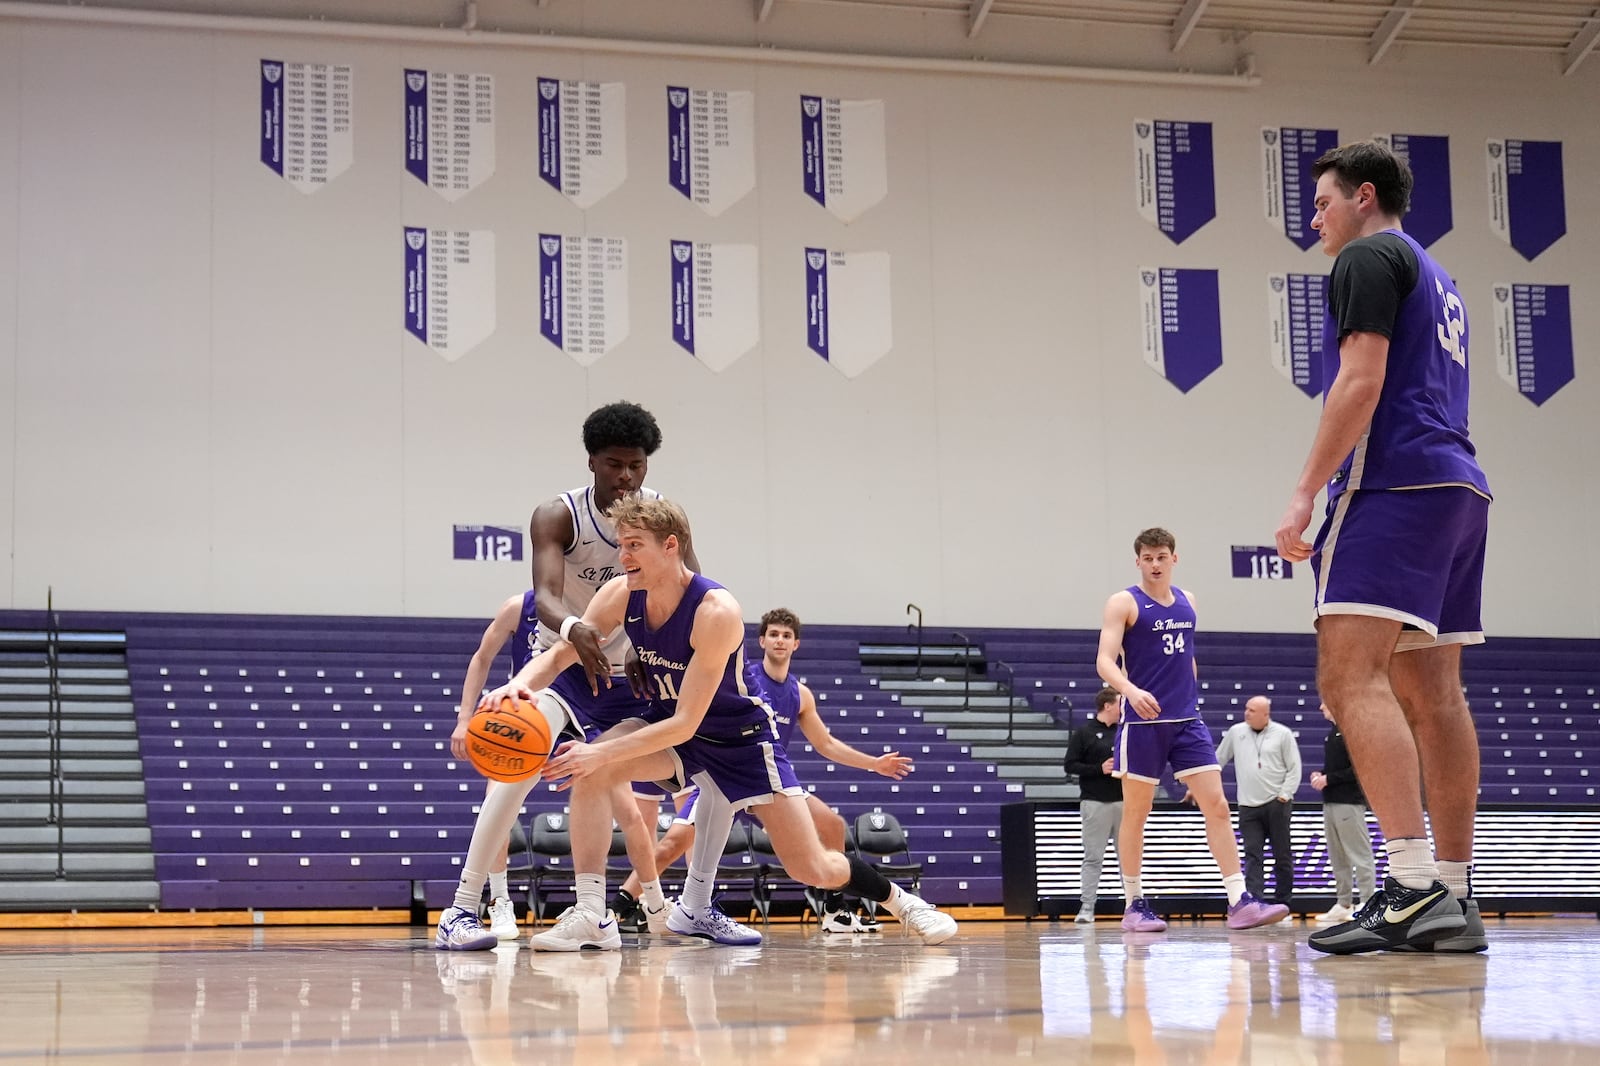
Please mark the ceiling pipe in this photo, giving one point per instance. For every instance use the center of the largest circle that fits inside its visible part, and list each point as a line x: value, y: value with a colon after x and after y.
x: 363, y: 31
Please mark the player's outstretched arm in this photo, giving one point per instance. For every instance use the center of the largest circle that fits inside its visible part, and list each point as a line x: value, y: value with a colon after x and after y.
x: 495, y: 636
x: 890, y: 764
x: 552, y: 533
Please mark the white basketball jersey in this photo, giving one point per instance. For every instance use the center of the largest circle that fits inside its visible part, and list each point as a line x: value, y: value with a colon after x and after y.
x: 591, y: 561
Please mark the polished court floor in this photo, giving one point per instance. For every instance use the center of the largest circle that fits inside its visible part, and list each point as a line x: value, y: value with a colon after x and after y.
x: 1000, y: 991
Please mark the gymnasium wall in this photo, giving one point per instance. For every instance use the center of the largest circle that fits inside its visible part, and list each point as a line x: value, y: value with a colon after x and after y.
x: 210, y: 404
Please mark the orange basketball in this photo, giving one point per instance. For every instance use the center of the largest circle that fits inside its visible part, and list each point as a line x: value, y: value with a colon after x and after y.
x: 508, y: 742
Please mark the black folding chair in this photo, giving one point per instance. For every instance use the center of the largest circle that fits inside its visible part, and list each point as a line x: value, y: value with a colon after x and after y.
x: 549, y: 858
x: 881, y: 840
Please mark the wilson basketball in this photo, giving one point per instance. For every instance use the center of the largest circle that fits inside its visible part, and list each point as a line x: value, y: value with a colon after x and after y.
x: 508, y: 742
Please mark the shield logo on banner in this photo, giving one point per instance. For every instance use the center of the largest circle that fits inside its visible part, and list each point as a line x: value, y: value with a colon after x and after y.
x: 1142, y: 129
x: 1270, y: 136
x: 816, y: 260
x: 682, y: 250
x: 550, y: 245
x: 1277, y: 284
x: 1502, y: 293
x: 811, y: 107
x: 1148, y: 277
x: 878, y: 821
x: 1494, y: 149
x: 677, y: 97
x: 272, y: 72
x: 416, y: 238
x: 549, y: 89
x: 553, y: 822
x: 416, y: 80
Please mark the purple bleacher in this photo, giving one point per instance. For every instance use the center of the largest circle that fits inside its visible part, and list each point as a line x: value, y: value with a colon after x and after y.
x: 326, y: 740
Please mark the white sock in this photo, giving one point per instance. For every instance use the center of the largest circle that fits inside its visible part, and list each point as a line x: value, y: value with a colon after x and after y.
x: 1411, y: 862
x: 1457, y: 877
x: 497, y: 886
x: 697, y: 886
x: 651, y: 896
x: 470, y: 890
x: 1234, y: 883
x: 592, y: 894
x: 1133, y: 887
x: 896, y: 902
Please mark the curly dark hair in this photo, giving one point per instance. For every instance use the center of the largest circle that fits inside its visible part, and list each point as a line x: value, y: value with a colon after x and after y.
x: 621, y: 425
x: 781, y: 616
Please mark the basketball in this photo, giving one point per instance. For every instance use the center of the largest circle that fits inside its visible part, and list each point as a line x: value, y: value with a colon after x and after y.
x: 510, y: 741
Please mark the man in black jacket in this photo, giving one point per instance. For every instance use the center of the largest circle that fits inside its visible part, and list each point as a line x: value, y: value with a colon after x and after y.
x: 1344, y: 824
x: 1100, y: 795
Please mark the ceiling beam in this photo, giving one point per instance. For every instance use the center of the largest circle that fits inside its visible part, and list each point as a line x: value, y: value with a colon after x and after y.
x: 1186, y: 21
x: 1583, y: 43
x: 976, y: 14
x: 1389, y: 29
x: 763, y: 9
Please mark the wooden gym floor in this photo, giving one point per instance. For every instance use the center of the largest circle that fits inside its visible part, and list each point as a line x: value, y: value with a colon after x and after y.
x: 1000, y: 991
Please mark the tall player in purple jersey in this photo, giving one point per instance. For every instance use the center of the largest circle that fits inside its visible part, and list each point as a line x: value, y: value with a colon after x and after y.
x: 574, y: 553
x: 706, y: 726
x: 1147, y: 637
x: 1399, y: 558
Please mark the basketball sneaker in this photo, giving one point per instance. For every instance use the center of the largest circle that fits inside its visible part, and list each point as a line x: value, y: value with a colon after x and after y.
x: 1336, y: 915
x: 841, y: 922
x: 1085, y: 915
x: 1140, y: 917
x: 630, y: 918
x: 577, y: 929
x: 868, y: 920
x: 711, y: 924
x: 1471, y: 938
x: 1250, y: 912
x: 655, y: 920
x: 919, y: 916
x: 460, y: 930
x: 503, y: 920
x: 1395, y: 915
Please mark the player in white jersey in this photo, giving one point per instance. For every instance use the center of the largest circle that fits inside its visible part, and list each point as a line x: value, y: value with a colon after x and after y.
x: 574, y: 553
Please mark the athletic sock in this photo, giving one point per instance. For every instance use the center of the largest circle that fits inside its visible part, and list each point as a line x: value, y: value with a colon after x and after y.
x: 1411, y: 862
x: 497, y: 886
x: 651, y: 896
x: 469, y: 892
x: 696, y: 895
x: 592, y: 894
x: 1133, y: 887
x: 1234, y: 883
x: 1457, y: 877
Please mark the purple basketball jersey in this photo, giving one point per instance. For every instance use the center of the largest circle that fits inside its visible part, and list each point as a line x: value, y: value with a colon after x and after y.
x: 526, y: 639
x: 736, y: 715
x: 782, y: 696
x: 1158, y: 656
x: 1418, y: 436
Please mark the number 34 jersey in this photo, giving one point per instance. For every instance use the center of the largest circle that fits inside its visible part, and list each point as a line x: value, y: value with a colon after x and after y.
x: 737, y: 715
x: 1158, y: 656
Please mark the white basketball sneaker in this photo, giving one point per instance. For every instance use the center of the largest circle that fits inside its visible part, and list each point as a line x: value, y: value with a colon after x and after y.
x: 924, y: 919
x: 656, y: 920
x: 503, y: 920
x: 576, y: 930
x: 460, y: 930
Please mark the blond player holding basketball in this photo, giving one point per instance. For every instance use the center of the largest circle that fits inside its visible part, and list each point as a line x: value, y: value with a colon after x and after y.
x: 574, y: 553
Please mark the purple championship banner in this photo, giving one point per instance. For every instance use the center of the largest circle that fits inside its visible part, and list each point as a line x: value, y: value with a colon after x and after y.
x: 1182, y: 324
x: 272, y: 114
x: 549, y: 104
x: 1296, y: 304
x: 552, y: 289
x: 1260, y: 563
x: 1287, y: 155
x: 679, y: 147
x: 1527, y: 194
x: 417, y: 124
x: 817, y: 300
x: 487, y: 544
x: 814, y: 170
x: 1175, y: 177
x: 1533, y: 338
x: 1431, y: 215
x: 683, y: 295
x: 416, y: 273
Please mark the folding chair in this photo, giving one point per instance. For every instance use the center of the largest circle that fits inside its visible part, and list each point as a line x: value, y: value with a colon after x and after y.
x: 880, y: 838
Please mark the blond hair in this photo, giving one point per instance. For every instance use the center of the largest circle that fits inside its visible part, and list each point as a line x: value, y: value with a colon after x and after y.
x: 659, y: 517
